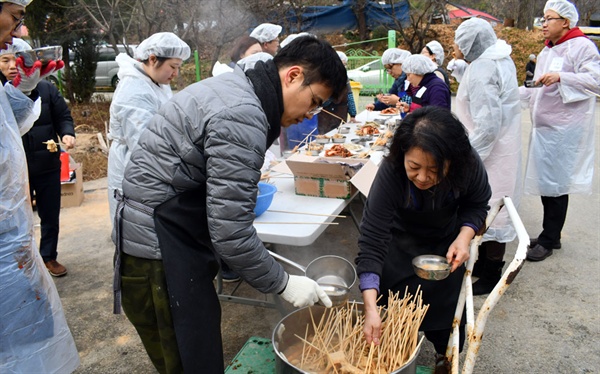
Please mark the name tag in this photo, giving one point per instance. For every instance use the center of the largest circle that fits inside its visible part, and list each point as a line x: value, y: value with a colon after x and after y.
x: 421, y: 91
x: 556, y: 64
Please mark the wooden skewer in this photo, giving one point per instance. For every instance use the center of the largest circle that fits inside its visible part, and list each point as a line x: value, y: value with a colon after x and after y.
x: 304, y: 140
x: 296, y: 223
x: 593, y: 93
x: 309, y: 214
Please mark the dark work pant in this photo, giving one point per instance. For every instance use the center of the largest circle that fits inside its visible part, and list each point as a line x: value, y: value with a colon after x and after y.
x: 47, y: 198
x: 555, y: 214
x: 440, y: 338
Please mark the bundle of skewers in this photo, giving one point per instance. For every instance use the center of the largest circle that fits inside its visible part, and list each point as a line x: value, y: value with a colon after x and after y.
x: 336, y: 343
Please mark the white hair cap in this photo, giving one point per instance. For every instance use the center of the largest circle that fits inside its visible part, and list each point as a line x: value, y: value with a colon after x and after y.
x: 265, y: 32
x: 18, y: 2
x: 532, y: 57
x: 18, y: 45
x: 437, y: 49
x: 248, y: 62
x: 564, y: 9
x: 291, y: 37
x: 343, y: 57
x: 394, y: 56
x: 162, y: 44
x: 418, y: 64
x: 473, y: 37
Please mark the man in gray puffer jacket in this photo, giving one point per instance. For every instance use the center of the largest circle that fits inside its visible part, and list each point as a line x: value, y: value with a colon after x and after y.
x: 189, y: 191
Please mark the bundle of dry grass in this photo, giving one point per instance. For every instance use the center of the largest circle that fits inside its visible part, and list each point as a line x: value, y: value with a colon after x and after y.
x: 335, y: 343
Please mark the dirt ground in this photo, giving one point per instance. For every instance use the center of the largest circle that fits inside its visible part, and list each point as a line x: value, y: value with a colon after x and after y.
x: 547, y: 322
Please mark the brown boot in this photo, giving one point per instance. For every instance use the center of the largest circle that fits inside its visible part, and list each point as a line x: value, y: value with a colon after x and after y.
x: 55, y: 268
x: 442, y: 365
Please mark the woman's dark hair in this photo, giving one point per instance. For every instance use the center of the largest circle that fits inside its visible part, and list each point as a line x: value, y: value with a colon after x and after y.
x: 437, y: 131
x: 241, y: 46
x: 320, y: 61
x: 159, y: 61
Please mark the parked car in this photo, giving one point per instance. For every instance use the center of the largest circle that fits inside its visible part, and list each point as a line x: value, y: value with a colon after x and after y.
x: 372, y: 76
x: 107, y: 67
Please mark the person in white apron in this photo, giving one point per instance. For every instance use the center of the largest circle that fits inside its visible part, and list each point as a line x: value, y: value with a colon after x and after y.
x: 561, y: 149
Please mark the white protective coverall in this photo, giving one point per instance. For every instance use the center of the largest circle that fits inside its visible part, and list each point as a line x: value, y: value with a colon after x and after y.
x: 34, y: 336
x: 487, y: 103
x: 561, y: 148
x: 136, y: 99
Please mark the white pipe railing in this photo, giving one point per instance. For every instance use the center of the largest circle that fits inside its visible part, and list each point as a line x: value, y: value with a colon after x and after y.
x: 474, y: 328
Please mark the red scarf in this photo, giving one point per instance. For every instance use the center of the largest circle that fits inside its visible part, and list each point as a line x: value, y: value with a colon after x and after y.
x: 575, y: 32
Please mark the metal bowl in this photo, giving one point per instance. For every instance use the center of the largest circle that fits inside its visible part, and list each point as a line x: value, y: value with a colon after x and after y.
x: 335, y: 275
x: 431, y: 267
x: 47, y: 54
x: 338, y: 139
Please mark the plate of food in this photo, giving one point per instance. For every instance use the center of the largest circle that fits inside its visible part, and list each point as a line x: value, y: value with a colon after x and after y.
x: 390, y: 112
x: 353, y: 147
x: 337, y: 150
x: 369, y: 128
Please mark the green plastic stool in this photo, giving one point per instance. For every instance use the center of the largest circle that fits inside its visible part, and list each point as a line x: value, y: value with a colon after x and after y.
x: 257, y: 357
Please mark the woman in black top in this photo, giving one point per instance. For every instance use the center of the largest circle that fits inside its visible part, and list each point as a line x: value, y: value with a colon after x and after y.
x: 430, y: 196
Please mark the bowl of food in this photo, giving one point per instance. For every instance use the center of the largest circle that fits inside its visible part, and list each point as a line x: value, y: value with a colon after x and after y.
x: 431, y: 267
x: 338, y: 138
x: 344, y: 130
x: 321, y: 139
x: 264, y: 199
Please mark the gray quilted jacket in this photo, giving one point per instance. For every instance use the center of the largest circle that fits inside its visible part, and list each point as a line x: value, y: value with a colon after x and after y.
x: 212, y: 133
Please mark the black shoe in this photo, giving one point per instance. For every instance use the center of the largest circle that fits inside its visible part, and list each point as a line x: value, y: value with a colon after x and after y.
x: 538, y: 253
x: 534, y: 242
x: 230, y: 276
x: 490, y: 276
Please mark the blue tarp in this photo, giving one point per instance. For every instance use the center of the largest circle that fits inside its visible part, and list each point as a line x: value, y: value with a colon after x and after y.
x: 339, y: 18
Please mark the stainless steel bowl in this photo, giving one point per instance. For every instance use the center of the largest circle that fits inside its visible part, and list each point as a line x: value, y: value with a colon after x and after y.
x: 47, y: 54
x: 431, y: 267
x: 335, y: 275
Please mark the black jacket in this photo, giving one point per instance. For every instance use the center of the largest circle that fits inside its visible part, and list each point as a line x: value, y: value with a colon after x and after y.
x: 55, y: 120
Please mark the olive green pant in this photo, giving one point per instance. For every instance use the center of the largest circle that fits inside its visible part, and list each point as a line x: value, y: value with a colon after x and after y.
x: 145, y: 301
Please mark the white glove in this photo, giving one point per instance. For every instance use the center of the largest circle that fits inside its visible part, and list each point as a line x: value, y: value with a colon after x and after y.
x: 29, y: 77
x: 303, y: 291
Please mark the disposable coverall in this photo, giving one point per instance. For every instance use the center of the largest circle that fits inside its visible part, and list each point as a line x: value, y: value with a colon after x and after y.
x: 34, y: 336
x: 135, y: 101
x: 487, y: 103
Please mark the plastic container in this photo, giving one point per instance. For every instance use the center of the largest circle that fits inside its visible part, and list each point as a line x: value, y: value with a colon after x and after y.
x: 64, y: 167
x: 356, y: 87
x: 264, y: 198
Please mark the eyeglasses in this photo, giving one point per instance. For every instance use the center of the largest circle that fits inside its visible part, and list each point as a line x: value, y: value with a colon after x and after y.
x: 545, y: 20
x: 316, y: 101
x: 389, y: 66
x: 18, y: 21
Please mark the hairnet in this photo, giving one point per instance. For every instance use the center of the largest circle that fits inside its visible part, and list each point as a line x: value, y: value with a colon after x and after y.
x: 291, y: 37
x: 18, y: 2
x: 394, y: 56
x: 343, y: 57
x: 437, y: 49
x: 266, y: 32
x: 18, y: 45
x: 564, y: 9
x: 473, y: 37
x: 248, y: 62
x: 418, y: 64
x: 531, y: 57
x: 162, y: 44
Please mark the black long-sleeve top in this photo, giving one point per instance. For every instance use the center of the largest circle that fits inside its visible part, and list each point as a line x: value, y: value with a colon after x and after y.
x: 392, y: 191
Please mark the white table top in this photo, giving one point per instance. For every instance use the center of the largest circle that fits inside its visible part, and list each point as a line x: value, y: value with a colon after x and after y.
x: 285, y: 199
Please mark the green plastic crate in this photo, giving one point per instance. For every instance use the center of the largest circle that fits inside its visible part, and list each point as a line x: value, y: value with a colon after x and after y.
x: 257, y: 357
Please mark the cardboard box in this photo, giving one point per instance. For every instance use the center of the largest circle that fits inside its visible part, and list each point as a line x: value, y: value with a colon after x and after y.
x: 71, y: 193
x: 330, y: 177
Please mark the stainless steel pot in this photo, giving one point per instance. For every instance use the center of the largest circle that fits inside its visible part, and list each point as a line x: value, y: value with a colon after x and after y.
x: 334, y: 274
x: 295, y: 324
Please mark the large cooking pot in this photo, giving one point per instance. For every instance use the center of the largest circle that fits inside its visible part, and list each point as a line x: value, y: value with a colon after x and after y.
x: 334, y: 274
x: 295, y: 324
